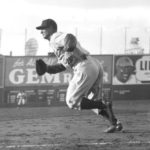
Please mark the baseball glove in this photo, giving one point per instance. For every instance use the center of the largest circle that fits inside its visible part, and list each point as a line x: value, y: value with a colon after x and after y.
x: 41, y: 67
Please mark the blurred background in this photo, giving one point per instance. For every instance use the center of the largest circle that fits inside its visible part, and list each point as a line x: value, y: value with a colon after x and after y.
x: 101, y: 26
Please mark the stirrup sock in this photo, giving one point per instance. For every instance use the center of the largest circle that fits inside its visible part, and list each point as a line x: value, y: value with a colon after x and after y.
x: 90, y: 104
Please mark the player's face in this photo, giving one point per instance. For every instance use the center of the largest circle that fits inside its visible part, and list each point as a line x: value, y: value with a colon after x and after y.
x: 46, y: 33
x: 123, y: 73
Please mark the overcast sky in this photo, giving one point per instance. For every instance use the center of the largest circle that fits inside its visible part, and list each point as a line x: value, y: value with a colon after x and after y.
x: 16, y: 15
x: 92, y: 4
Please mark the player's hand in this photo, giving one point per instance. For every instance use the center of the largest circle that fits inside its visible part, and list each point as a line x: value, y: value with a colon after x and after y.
x: 41, y: 67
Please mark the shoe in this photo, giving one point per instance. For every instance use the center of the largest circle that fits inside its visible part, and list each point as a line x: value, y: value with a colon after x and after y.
x: 111, y: 129
x: 119, y: 126
x: 114, y: 128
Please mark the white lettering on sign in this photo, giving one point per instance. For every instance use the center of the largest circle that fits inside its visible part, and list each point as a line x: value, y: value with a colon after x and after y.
x: 17, y: 76
x: 29, y: 76
x: 67, y: 77
x: 51, y: 78
x: 143, y: 68
x: 32, y: 77
x: 18, y: 63
x: 31, y: 62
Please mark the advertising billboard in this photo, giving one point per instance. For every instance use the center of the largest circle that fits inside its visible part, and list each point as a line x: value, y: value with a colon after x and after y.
x: 50, y: 89
x: 131, y: 77
x: 20, y: 71
x: 131, y: 69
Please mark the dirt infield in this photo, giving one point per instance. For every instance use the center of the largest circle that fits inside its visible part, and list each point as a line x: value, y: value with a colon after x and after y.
x: 58, y: 128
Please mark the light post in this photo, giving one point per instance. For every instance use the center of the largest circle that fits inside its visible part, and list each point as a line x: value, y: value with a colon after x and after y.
x: 0, y: 39
x: 101, y: 39
x: 148, y: 31
x: 125, y: 38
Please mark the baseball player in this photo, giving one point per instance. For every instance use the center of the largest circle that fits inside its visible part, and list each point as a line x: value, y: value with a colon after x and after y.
x: 88, y: 73
x: 21, y: 98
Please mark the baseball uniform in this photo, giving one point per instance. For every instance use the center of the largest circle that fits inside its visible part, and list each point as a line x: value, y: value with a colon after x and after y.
x: 87, y: 71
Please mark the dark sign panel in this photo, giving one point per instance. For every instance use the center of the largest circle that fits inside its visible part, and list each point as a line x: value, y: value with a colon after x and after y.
x: 61, y: 95
x: 34, y: 96
x: 1, y: 71
x: 131, y: 92
x: 1, y: 95
x: 106, y: 61
x: 11, y: 96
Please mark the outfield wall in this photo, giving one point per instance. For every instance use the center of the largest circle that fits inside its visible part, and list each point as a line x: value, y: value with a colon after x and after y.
x: 46, y: 90
x: 18, y: 73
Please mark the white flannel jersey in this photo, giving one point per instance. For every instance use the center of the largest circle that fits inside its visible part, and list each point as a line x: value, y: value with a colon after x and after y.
x: 57, y: 43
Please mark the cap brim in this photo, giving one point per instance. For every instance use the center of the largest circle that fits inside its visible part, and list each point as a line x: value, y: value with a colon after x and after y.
x: 40, y: 27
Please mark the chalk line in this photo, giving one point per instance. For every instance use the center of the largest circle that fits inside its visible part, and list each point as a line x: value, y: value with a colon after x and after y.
x: 74, y: 144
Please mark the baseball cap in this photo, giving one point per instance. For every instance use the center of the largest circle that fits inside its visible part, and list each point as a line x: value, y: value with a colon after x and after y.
x: 124, y: 61
x: 46, y: 24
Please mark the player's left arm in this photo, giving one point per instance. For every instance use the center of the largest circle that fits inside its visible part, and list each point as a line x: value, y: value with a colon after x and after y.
x: 42, y: 68
x: 52, y: 69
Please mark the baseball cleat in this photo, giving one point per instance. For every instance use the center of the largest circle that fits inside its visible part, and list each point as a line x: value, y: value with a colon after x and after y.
x: 119, y: 126
x: 111, y: 129
x: 114, y: 128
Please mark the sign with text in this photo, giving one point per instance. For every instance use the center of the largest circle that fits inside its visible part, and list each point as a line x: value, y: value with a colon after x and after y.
x: 131, y: 69
x: 20, y: 71
x: 131, y: 92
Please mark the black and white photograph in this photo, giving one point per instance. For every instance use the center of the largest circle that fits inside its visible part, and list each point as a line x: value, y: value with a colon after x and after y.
x: 74, y: 74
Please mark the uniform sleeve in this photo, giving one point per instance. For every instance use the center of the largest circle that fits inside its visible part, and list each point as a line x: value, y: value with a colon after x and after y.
x: 57, y: 41
x: 57, y: 44
x: 61, y: 42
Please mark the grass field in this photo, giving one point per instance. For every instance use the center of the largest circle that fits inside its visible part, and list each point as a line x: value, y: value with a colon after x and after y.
x: 59, y: 128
